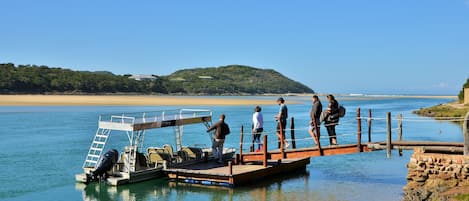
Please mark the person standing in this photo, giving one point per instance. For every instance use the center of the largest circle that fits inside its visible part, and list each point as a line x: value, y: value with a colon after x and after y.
x: 315, y: 122
x: 281, y: 118
x: 258, y: 126
x: 332, y: 118
x: 221, y: 130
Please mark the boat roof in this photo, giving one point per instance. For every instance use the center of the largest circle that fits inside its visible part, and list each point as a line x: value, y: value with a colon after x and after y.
x: 155, y: 119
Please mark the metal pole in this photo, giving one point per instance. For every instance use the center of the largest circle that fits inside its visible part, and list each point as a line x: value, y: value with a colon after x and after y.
x: 292, y: 133
x: 318, y: 138
x: 388, y: 141
x: 399, y: 131
x: 369, y: 124
x: 466, y: 134
x: 359, y: 134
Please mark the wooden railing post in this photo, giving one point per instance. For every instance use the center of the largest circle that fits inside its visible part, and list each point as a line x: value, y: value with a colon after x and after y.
x: 359, y: 134
x: 388, y: 141
x: 466, y: 134
x: 241, y: 136
x: 318, y: 138
x: 264, y: 150
x: 292, y: 133
x: 282, y: 144
x: 369, y: 124
x: 230, y: 168
x: 399, y: 131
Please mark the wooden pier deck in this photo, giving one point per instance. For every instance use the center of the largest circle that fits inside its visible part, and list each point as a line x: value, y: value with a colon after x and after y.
x: 212, y: 173
x: 306, y: 152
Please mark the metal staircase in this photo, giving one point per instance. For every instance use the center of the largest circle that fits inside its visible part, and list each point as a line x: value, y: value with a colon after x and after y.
x: 96, y: 149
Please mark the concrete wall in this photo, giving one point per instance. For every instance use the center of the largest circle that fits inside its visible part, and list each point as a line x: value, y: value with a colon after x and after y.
x: 466, y: 96
x: 433, y: 176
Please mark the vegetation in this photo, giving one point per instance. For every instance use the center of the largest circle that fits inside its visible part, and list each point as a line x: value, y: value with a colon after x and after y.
x: 461, y: 93
x: 234, y: 79
x: 443, y: 110
x: 221, y: 80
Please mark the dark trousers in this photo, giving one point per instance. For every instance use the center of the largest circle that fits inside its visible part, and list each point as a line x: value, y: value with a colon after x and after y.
x: 331, y: 132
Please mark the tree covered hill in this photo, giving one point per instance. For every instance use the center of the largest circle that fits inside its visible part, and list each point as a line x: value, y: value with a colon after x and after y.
x: 232, y: 79
x: 235, y: 79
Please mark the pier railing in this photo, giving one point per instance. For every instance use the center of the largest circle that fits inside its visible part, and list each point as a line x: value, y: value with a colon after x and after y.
x: 388, y: 144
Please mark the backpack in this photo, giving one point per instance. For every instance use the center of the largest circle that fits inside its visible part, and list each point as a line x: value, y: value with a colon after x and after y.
x: 341, y: 111
x: 225, y: 129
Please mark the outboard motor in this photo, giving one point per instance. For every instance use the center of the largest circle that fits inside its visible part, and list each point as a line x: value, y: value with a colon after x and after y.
x: 107, y: 162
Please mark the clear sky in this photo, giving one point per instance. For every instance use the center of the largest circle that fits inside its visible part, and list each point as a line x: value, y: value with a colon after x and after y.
x: 332, y: 46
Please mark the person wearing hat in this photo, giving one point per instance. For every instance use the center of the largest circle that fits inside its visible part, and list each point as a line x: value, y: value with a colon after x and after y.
x: 281, y: 118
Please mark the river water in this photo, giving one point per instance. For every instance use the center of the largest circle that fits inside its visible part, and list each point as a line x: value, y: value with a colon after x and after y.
x: 44, y: 147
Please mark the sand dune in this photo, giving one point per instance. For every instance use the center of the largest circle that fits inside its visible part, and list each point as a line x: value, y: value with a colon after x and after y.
x: 19, y: 100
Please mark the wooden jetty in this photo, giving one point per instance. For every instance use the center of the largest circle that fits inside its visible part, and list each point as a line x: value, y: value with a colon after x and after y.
x: 230, y: 175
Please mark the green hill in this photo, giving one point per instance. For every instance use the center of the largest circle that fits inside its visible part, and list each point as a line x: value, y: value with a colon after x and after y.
x: 233, y: 79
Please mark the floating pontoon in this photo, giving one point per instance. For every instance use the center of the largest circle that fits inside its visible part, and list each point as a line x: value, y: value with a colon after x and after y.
x: 133, y: 165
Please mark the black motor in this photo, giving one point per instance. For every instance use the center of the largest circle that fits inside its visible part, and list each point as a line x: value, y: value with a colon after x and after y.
x: 107, y: 162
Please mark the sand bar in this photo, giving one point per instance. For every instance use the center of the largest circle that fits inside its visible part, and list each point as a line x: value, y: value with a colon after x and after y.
x: 38, y: 100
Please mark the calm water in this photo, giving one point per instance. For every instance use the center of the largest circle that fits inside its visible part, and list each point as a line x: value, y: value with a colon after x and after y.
x: 44, y: 147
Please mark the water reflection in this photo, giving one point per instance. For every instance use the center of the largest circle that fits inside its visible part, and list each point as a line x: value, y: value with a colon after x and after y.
x: 162, y: 189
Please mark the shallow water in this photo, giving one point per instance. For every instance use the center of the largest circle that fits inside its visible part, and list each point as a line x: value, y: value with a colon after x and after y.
x: 44, y: 147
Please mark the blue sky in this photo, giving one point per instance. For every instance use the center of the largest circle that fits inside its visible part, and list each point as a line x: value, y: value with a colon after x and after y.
x: 333, y: 46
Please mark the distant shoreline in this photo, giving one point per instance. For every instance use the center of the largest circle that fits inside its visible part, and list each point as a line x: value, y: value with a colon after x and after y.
x: 123, y: 100
x: 160, y: 100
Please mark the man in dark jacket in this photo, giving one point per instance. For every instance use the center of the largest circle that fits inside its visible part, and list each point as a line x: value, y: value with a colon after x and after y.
x: 221, y: 130
x: 315, y: 122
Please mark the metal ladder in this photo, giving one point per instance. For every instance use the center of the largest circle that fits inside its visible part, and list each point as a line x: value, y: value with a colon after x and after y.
x: 132, y: 160
x: 178, y: 131
x: 96, y: 149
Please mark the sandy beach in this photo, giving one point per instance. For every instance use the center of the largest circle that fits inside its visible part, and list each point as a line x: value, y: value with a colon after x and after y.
x: 37, y: 100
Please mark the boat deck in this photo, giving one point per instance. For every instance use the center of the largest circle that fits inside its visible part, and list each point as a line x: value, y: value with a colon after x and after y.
x: 212, y: 173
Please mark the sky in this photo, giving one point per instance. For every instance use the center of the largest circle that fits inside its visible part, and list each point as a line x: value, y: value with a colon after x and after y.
x: 333, y: 46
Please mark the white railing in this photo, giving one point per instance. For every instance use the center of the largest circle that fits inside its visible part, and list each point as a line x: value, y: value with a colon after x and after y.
x: 154, y: 116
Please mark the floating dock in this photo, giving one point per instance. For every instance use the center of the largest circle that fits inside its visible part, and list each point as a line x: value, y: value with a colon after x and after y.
x: 215, y: 174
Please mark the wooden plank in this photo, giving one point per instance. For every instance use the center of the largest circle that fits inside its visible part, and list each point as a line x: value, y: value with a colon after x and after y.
x: 307, y: 152
x: 466, y: 132
x: 359, y: 134
x: 424, y: 143
x: 240, y: 173
x: 389, y: 138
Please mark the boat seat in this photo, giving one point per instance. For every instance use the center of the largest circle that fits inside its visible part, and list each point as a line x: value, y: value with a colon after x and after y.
x: 169, y: 150
x: 157, y: 156
x: 192, y: 153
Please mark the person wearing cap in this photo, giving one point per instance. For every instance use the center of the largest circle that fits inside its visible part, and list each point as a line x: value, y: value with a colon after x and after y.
x: 281, y: 118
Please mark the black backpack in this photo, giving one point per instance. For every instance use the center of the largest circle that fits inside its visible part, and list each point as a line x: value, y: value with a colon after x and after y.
x: 225, y: 129
x: 341, y: 111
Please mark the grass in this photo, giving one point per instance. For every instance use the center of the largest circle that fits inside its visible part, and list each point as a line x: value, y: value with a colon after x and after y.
x: 443, y: 110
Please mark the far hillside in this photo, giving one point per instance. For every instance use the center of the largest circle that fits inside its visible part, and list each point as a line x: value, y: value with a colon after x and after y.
x: 232, y: 80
